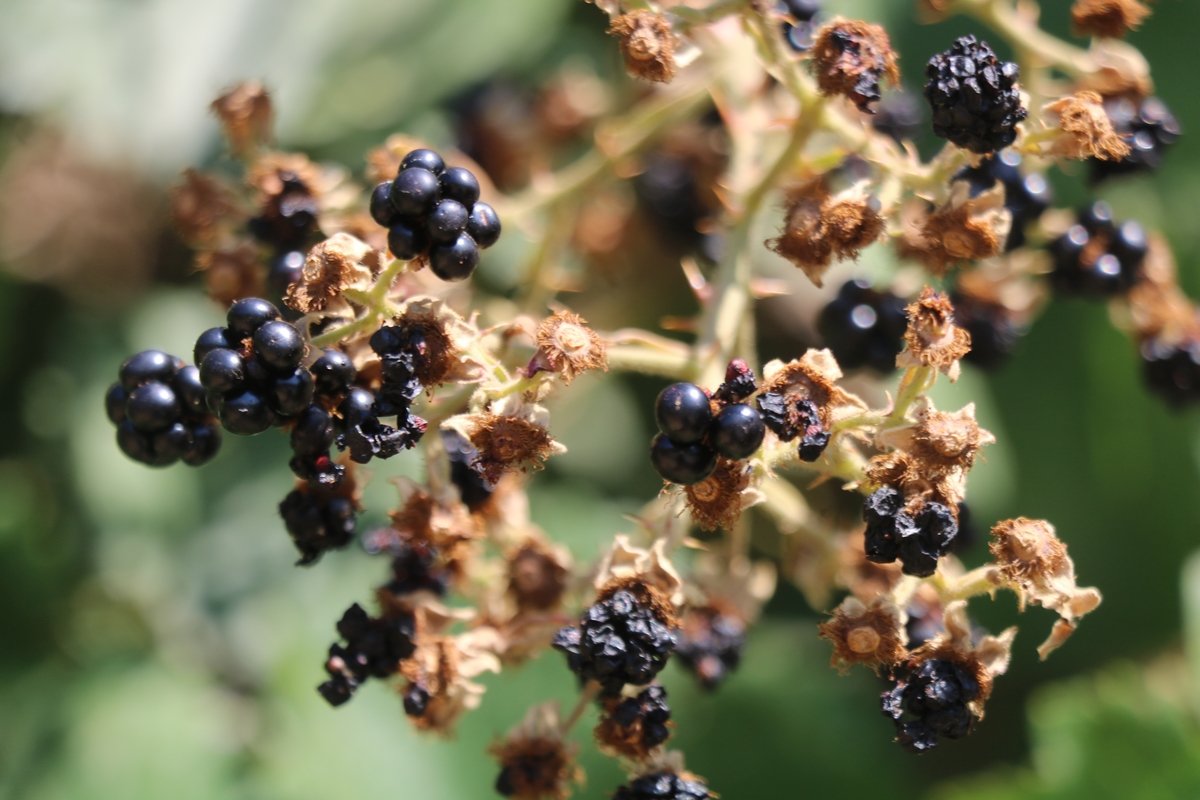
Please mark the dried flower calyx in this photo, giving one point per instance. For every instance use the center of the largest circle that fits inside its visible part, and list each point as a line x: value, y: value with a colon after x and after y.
x: 819, y: 226
x: 869, y: 635
x: 647, y: 45
x: 565, y: 344
x: 1108, y: 18
x: 851, y: 58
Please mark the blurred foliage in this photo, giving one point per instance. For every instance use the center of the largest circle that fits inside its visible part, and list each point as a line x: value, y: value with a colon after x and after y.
x: 158, y: 642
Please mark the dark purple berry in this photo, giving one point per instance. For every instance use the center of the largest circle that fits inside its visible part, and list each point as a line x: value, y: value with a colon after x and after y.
x: 245, y: 316
x: 222, y: 371
x: 974, y: 97
x: 458, y: 183
x: 333, y: 373
x: 285, y: 269
x: 425, y: 159
x: 414, y: 191
x: 382, y: 210
x: 407, y: 242
x: 737, y: 431
x: 455, y: 261
x: 447, y: 220
x: 213, y: 339
x: 246, y: 414
x: 683, y: 413
x: 152, y: 407
x: 484, y: 225
x: 684, y: 464
x: 279, y: 346
x: 148, y: 365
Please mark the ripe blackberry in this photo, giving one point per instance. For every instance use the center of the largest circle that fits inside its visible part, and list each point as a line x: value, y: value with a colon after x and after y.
x: 288, y: 218
x: 473, y: 488
x: 994, y: 331
x: 683, y: 413
x: 283, y: 270
x: 333, y: 374
x: 739, y: 383
x: 737, y: 431
x: 416, y: 700
x: 1149, y: 128
x: 664, y: 786
x: 374, y: 648
x: 158, y: 407
x: 973, y: 96
x: 636, y: 725
x: 918, y: 541
x: 432, y: 211
x: 864, y: 327
x: 930, y: 702
x: 1098, y: 256
x: 621, y: 639
x: 684, y: 464
x: 1172, y: 370
x: 251, y: 369
x: 710, y: 645
x: 317, y: 520
x: 1026, y: 196
x: 312, y: 437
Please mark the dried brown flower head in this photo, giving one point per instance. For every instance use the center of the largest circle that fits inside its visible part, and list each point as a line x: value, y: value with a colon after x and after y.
x: 537, y: 575
x: 246, y: 116
x: 717, y: 502
x: 939, y: 442
x: 869, y: 635
x: 273, y: 174
x: 850, y: 57
x: 450, y: 341
x: 443, y: 668
x: 201, y: 205
x: 819, y: 227
x: 232, y: 273
x: 340, y: 262
x: 536, y: 762
x: 624, y: 563
x: 932, y: 339
x: 965, y: 228
x: 447, y: 527
x: 1085, y: 129
x: 1033, y: 561
x: 814, y: 376
x: 566, y: 345
x: 1107, y: 18
x: 647, y: 44
x: 513, y: 436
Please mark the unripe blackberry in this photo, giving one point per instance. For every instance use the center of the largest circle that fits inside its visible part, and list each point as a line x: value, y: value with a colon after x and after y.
x: 973, y: 96
x: 664, y: 786
x: 624, y: 638
x: 1149, y: 128
x: 864, y: 327
x: 930, y: 702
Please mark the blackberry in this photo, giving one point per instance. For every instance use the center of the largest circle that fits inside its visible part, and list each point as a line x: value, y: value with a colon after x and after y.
x: 288, y: 218
x: 899, y: 115
x: 312, y: 437
x: 670, y: 194
x: 621, y: 639
x: 973, y: 96
x: 318, y: 520
x: 799, y: 30
x: 929, y: 702
x: 374, y: 648
x: 366, y: 437
x: 918, y: 541
x: 994, y: 331
x: 883, y: 515
x: 636, y: 725
x: 683, y: 413
x: 416, y: 700
x: 333, y: 374
x: 864, y: 327
x: 739, y: 383
x: 416, y: 567
x: 1172, y: 369
x: 1098, y: 256
x: 160, y: 412
x: 663, y: 786
x: 1026, y: 196
x: 682, y: 463
x: 433, y: 211
x: 802, y: 420
x: 737, y: 431
x: 1150, y: 129
x: 283, y: 270
x: 473, y: 488
x: 710, y: 645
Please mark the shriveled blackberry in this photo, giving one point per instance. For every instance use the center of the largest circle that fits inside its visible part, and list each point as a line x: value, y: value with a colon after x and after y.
x: 1098, y: 256
x: 634, y: 726
x: 739, y: 383
x: 366, y: 437
x: 814, y: 436
x: 1172, y: 369
x: 930, y: 702
x: 416, y: 567
x: 312, y: 437
x: 1026, y: 196
x: 318, y: 520
x: 710, y: 645
x: 993, y: 328
x: 621, y: 639
x: 864, y: 327
x: 160, y: 412
x: 880, y: 512
x: 918, y: 540
x: 374, y: 648
x: 288, y: 218
x: 1149, y: 128
x: 664, y: 786
x: 973, y: 96
x: 473, y: 488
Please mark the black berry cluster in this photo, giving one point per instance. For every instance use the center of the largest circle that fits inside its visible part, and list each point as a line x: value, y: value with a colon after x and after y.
x: 434, y: 211
x: 864, y: 327
x: 710, y: 645
x: 1172, y: 369
x: 620, y: 640
x: 1026, y: 196
x: 287, y: 223
x: 1098, y: 256
x: 318, y: 519
x: 918, y: 539
x: 1149, y: 128
x: 416, y: 567
x: 648, y: 712
x: 663, y: 786
x: 316, y: 429
x: 474, y: 489
x: 994, y: 329
x: 799, y: 30
x: 798, y: 419
x: 973, y: 96
x: 374, y: 648
x: 251, y: 369
x: 158, y: 407
x: 691, y: 435
x: 930, y: 702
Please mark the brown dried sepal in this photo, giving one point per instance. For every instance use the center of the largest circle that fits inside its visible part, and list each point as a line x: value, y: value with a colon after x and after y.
x: 537, y: 575
x: 932, y: 339
x: 201, y: 205
x: 272, y: 172
x: 940, y: 443
x: 246, y: 116
x: 536, y: 768
x: 869, y: 635
x: 916, y: 479
x: 965, y: 228
x: 646, y: 594
x: 448, y: 528
x: 647, y: 45
x: 1107, y: 18
x: 865, y: 579
x: 1085, y: 129
x: 233, y: 273
x: 814, y: 376
x: 819, y: 227
x: 340, y: 262
x: 1033, y: 561
x: 850, y: 57
x: 566, y: 345
x: 716, y: 503
x: 445, y: 667
x: 508, y: 443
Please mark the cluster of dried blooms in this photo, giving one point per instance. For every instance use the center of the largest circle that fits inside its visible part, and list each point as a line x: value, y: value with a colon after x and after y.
x: 383, y: 334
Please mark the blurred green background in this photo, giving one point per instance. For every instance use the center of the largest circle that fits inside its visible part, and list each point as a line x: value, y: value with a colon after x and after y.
x: 155, y: 640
